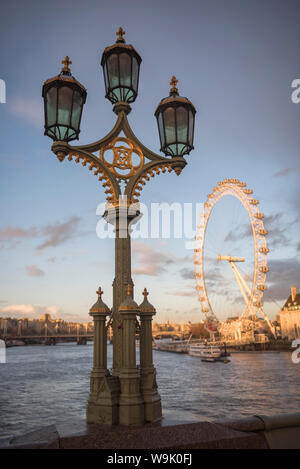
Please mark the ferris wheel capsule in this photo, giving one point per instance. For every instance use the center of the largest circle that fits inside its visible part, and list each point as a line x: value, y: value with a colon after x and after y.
x: 259, y: 216
x: 264, y: 269
x: 264, y: 250
x: 254, y: 202
x: 258, y: 304
x: 263, y: 232
x: 262, y: 287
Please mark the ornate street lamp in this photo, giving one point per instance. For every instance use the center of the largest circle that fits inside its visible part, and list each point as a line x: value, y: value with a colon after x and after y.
x: 123, y: 165
x: 64, y: 98
x: 121, y: 69
x: 175, y: 119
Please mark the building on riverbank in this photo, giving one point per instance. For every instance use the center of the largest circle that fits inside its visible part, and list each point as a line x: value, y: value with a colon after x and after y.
x: 43, y: 326
x: 290, y: 316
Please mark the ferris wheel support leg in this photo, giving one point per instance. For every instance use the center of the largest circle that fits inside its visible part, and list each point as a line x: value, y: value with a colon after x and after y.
x: 272, y: 328
x: 244, y: 283
x: 236, y: 274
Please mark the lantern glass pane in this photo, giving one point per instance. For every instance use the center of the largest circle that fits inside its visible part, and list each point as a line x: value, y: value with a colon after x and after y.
x: 77, y: 105
x: 161, y: 129
x: 113, y: 70
x: 182, y: 124
x: 135, y: 73
x: 169, y: 119
x: 191, y: 128
x: 65, y: 95
x: 62, y: 132
x: 105, y: 76
x: 51, y: 106
x: 125, y: 69
x: 172, y: 149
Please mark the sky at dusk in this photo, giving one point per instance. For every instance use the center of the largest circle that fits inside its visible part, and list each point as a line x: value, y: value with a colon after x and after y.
x: 234, y: 59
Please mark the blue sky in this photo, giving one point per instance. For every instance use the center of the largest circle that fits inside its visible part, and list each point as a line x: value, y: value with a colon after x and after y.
x: 235, y: 60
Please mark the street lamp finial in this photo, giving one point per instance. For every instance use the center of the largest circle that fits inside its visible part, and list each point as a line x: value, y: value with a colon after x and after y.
x: 66, y: 62
x: 100, y: 292
x: 129, y: 289
x: 173, y: 83
x: 120, y: 35
x: 145, y: 293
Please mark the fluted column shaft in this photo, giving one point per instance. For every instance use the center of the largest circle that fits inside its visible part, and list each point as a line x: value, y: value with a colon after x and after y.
x: 149, y: 390
x: 146, y: 355
x: 131, y: 404
x: 121, y: 218
x: 100, y: 342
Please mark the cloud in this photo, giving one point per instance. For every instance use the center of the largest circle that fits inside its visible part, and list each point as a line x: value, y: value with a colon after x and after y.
x: 187, y: 274
x: 9, y: 233
x: 29, y: 310
x: 153, y: 262
x: 283, y: 274
x: 30, y: 109
x: 277, y: 230
x: 55, y: 234
x: 34, y: 271
x: 276, y: 226
x: 36, y: 311
x: 189, y: 293
x: 285, y: 172
x: 59, y: 233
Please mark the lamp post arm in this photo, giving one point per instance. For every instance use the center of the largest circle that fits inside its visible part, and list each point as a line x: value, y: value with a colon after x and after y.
x: 151, y: 169
x: 91, y: 147
x: 112, y: 189
x: 146, y: 151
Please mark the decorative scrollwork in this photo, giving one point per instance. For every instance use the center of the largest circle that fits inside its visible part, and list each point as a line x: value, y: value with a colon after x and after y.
x: 151, y: 171
x: 110, y: 192
x: 122, y: 165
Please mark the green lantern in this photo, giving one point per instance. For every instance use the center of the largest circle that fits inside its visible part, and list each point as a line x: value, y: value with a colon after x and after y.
x: 121, y: 69
x: 176, y: 119
x: 64, y: 98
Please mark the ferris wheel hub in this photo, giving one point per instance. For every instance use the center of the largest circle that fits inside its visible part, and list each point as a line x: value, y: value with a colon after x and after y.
x: 230, y: 258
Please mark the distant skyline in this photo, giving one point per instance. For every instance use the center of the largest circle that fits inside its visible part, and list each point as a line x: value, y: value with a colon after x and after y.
x: 234, y: 59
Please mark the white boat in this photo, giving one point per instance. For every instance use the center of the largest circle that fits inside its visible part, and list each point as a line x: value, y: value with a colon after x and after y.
x: 209, y: 353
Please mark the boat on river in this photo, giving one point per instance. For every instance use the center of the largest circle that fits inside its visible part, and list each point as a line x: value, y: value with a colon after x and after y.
x: 207, y: 353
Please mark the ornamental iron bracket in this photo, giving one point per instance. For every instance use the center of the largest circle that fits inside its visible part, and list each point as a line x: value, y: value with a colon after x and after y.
x: 126, y: 161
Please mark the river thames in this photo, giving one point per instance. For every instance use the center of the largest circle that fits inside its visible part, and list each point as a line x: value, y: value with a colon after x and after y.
x: 42, y: 385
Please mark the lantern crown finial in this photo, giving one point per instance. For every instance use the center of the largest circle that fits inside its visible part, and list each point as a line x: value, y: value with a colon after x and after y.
x: 173, y: 84
x: 129, y: 290
x: 66, y: 62
x: 145, y: 293
x: 120, y: 33
x: 99, y: 292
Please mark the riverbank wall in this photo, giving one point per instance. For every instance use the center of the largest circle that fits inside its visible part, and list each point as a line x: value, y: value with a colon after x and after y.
x: 257, y: 432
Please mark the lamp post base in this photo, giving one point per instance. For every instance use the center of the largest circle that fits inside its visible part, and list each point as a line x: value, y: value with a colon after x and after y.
x: 103, y: 406
x: 131, y: 405
x: 153, y: 411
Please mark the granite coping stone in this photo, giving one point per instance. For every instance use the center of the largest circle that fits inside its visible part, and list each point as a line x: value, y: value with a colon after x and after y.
x: 78, y: 435
x: 184, y: 436
x: 177, y: 430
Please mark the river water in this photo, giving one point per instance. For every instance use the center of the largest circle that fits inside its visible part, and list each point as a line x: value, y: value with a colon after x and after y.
x: 42, y: 385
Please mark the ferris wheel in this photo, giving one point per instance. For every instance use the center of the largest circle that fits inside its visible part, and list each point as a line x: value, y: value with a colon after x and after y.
x: 252, y: 294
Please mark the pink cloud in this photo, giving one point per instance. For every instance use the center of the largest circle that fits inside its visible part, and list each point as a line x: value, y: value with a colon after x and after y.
x: 30, y: 109
x: 34, y: 271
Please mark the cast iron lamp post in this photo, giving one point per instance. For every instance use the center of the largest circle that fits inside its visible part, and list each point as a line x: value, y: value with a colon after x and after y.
x: 132, y: 164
